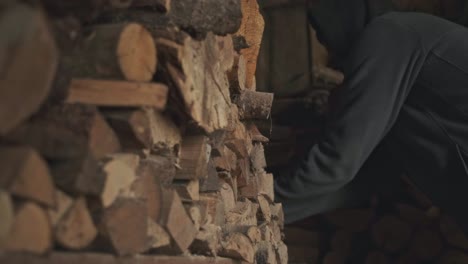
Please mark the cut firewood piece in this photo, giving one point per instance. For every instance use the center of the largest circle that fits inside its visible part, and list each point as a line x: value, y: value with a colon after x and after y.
x: 160, y: 167
x: 453, y: 233
x: 264, y: 205
x: 265, y: 253
x: 341, y: 243
x: 413, y: 215
x: 8, y: 215
x: 162, y: 5
x: 391, y: 234
x: 353, y: 220
x: 243, y: 214
x: 239, y: 131
x: 257, y: 158
x: 195, y: 214
x: 124, y: 225
x: 266, y: 185
x: 79, y: 176
x: 205, y: 16
x: 188, y: 190
x: 76, y: 230
x: 225, y: 159
x: 62, y: 205
x: 194, y: 155
x: 117, y: 93
x: 254, y: 105
x: 426, y: 245
x: 421, y: 198
x: 334, y: 257
x: 227, y: 195
x: 26, y: 174
x: 266, y: 232
x: 117, y: 52
x: 454, y: 257
x: 299, y: 236
x: 29, y: 62
x: 252, y: 232
x: 120, y: 175
x: 277, y: 233
x: 207, y: 241
x: 147, y: 187
x: 66, y: 132
x: 176, y: 221
x: 31, y: 231
x: 251, y: 31
x: 238, y: 146
x: 202, y: 83
x: 377, y: 257
x: 212, y: 206
x: 212, y: 182
x: 157, y: 235
x: 282, y: 253
x: 255, y: 134
x: 238, y: 246
x: 250, y: 190
x: 277, y: 214
x: 237, y: 75
x: 144, y: 128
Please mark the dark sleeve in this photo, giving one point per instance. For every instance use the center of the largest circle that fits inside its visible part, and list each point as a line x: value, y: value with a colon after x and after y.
x: 379, y: 73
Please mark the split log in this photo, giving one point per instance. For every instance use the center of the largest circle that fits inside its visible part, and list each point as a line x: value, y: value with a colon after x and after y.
x: 207, y: 15
x: 237, y: 75
x: 426, y: 245
x: 123, y: 51
x: 265, y: 253
x: 238, y: 246
x: 194, y: 67
x: 242, y: 172
x: 176, y: 221
x: 62, y: 206
x: 124, y: 225
x: 453, y: 233
x: 117, y: 93
x: 212, y: 206
x: 162, y: 168
x: 160, y: 5
x: 254, y: 105
x: 75, y: 229
x: 194, y: 155
x: 353, y: 220
x: 207, y: 241
x: 277, y: 234
x: 145, y: 128
x: 266, y: 185
x: 31, y: 231
x: 277, y: 214
x: 120, y: 174
x: 227, y: 196
x: 250, y: 190
x: 8, y: 215
x: 255, y: 134
x: 377, y: 257
x: 252, y: 232
x: 29, y: 67
x: 257, y: 157
x: 26, y: 174
x: 251, y: 31
x: 212, y: 182
x: 244, y: 214
x: 188, y: 190
x: 266, y: 232
x: 224, y: 159
x: 282, y: 253
x: 264, y: 205
x: 157, y: 235
x: 391, y: 234
x: 238, y: 146
x: 65, y: 132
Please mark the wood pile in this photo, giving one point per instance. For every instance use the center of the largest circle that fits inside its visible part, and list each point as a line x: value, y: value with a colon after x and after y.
x: 127, y: 127
x: 407, y: 229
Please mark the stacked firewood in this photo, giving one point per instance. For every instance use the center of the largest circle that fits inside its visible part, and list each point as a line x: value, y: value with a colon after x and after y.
x: 127, y: 127
x: 403, y: 229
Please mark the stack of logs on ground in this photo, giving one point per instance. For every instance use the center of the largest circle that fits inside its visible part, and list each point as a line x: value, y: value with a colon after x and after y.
x: 127, y: 128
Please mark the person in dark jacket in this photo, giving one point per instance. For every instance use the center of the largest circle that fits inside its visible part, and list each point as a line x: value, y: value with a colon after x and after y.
x: 405, y: 90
